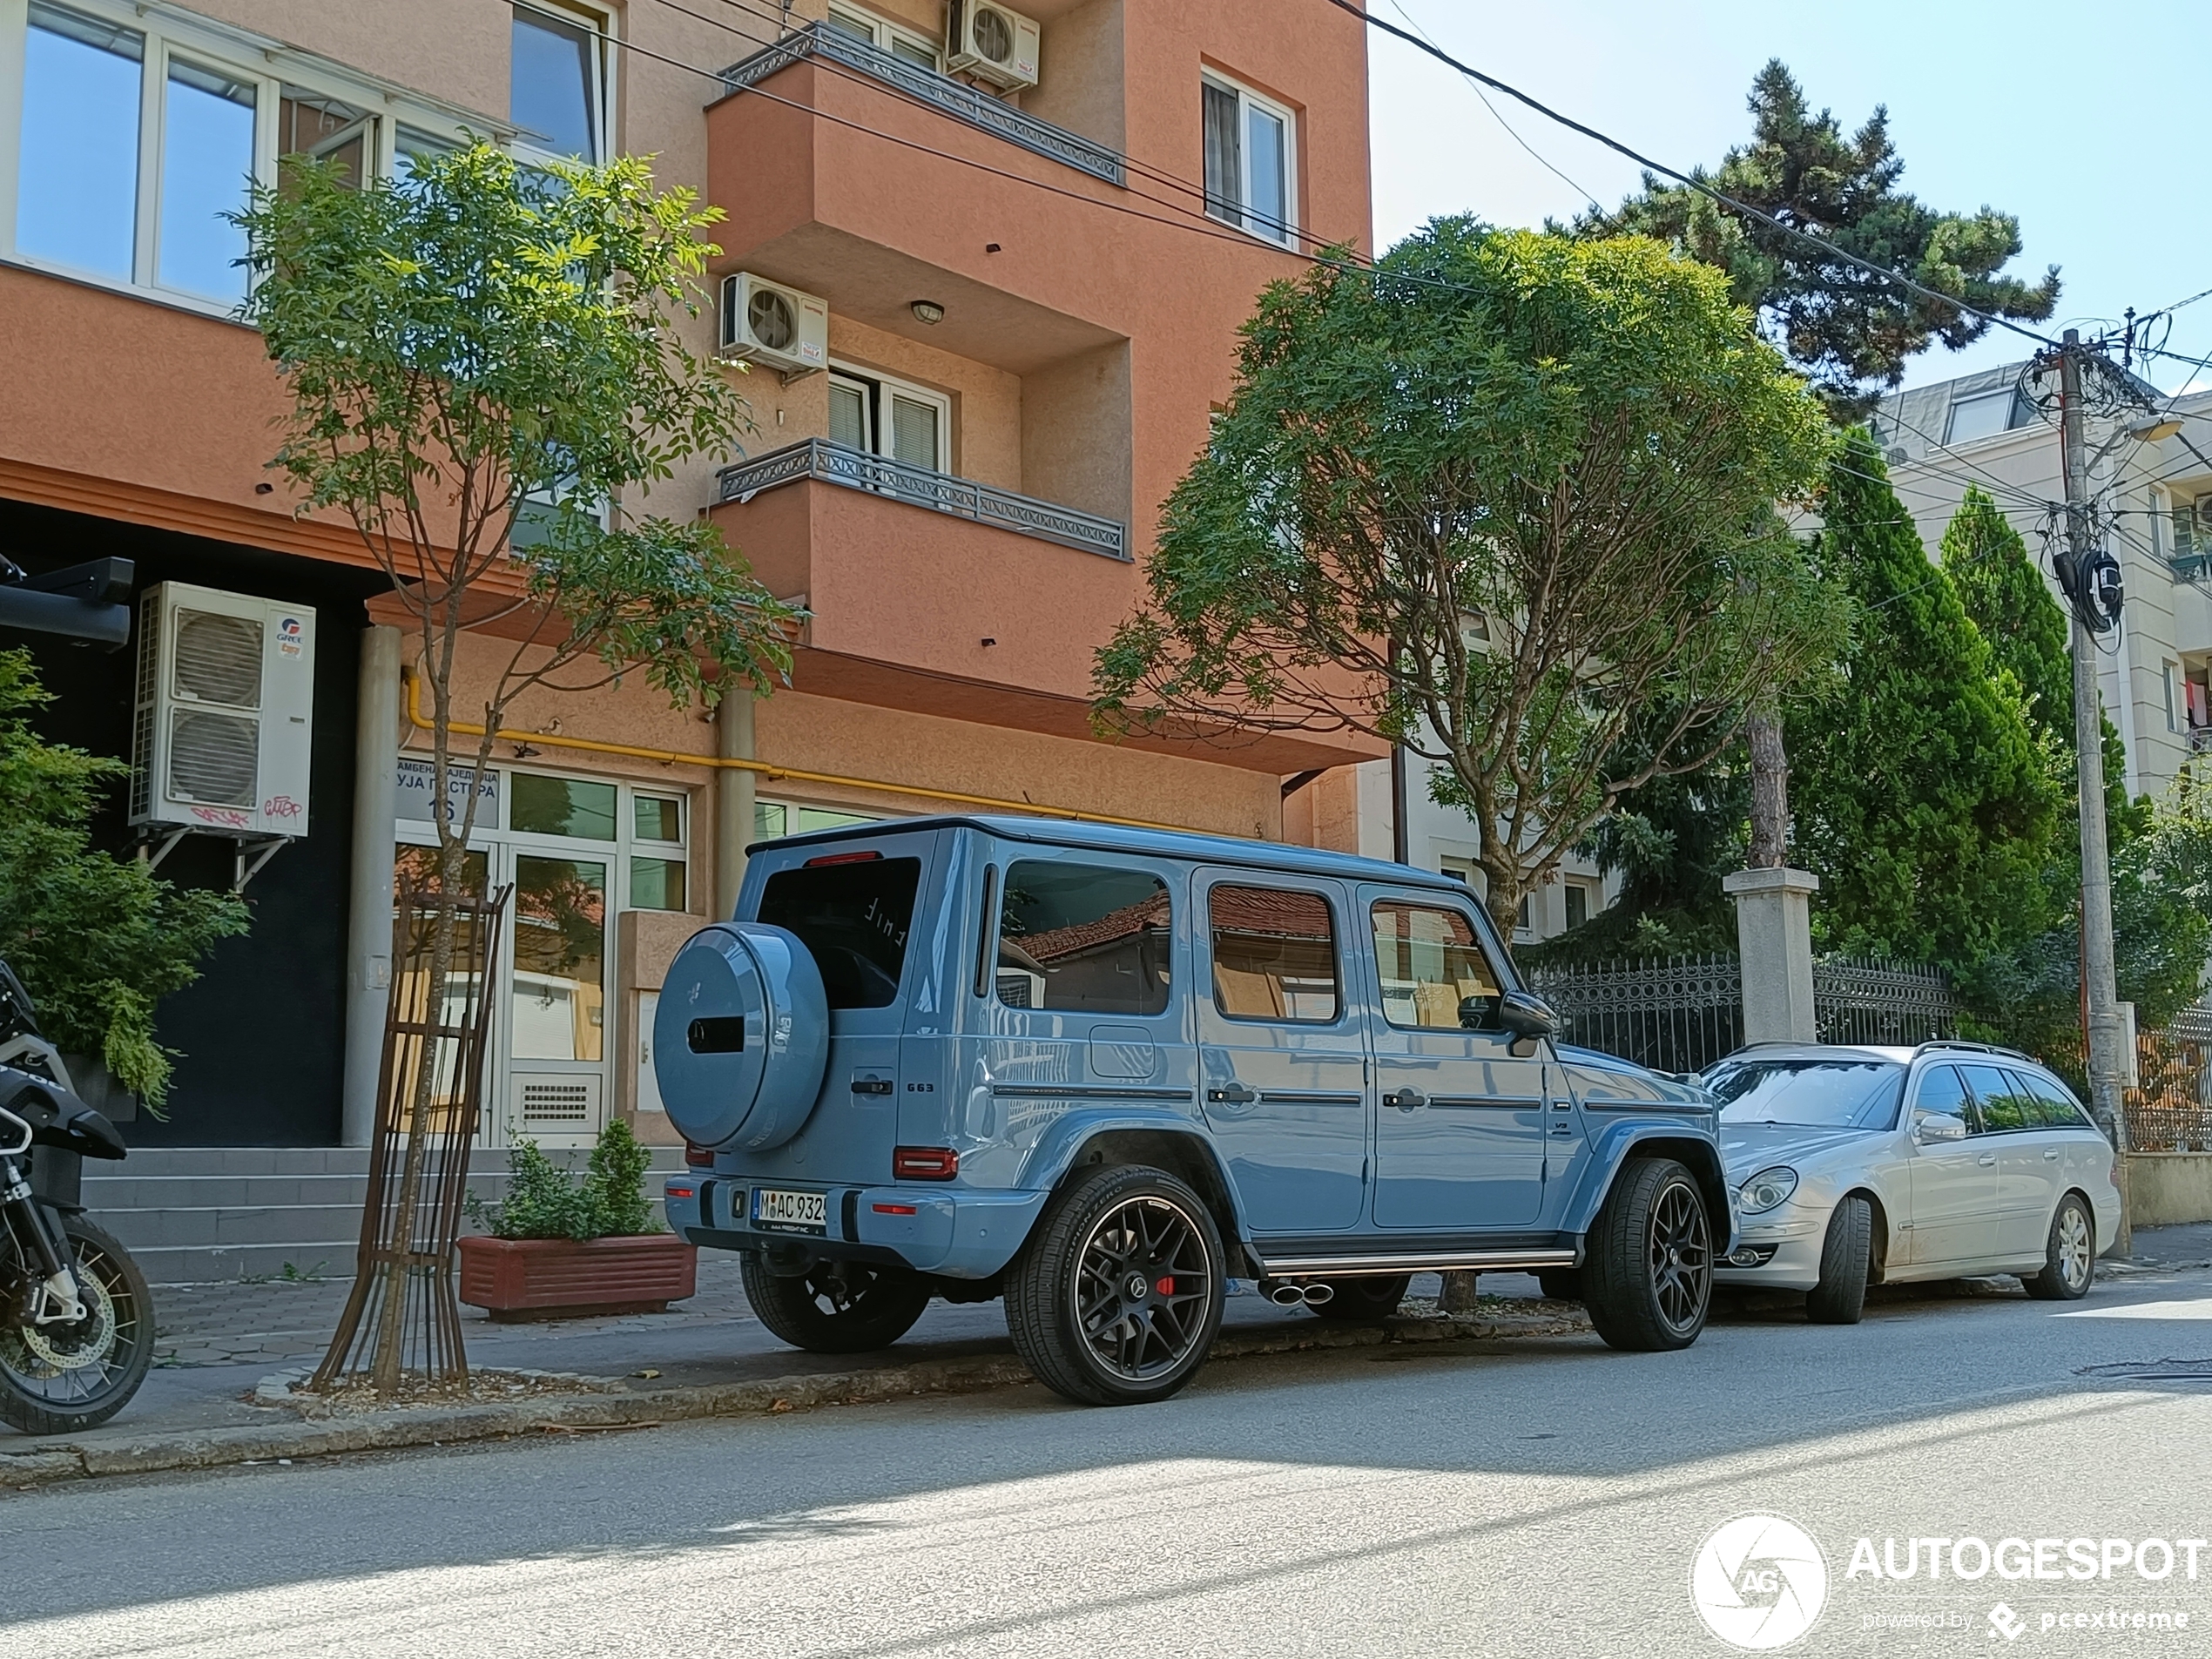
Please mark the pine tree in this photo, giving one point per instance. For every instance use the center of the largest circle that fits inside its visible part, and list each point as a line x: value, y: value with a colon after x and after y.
x: 1849, y: 331
x: 1921, y: 800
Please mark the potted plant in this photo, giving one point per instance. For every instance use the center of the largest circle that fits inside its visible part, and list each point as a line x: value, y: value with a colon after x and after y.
x: 562, y: 1246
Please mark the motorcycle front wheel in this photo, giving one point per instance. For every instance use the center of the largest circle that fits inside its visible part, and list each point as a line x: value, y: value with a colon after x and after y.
x: 57, y: 1378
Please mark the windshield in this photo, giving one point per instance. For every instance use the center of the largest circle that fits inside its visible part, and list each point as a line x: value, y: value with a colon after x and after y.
x: 1816, y: 1094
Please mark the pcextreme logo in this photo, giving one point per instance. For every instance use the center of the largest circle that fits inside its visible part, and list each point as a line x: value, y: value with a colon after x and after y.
x: 1759, y: 1582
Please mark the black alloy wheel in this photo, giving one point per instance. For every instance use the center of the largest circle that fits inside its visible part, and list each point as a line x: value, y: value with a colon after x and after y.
x: 836, y: 1307
x: 1648, y: 1273
x: 1117, y: 1296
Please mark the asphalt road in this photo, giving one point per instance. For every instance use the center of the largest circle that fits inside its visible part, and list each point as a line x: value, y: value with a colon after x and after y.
x: 1516, y: 1498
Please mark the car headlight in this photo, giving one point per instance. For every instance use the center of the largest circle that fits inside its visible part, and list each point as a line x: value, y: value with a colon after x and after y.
x: 1767, y: 1189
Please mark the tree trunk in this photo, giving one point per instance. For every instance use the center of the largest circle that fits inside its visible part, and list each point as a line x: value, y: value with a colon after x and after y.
x: 1769, y: 790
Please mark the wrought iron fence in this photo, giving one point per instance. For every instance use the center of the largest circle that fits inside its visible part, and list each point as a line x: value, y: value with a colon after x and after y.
x: 2170, y: 1108
x: 1671, y: 1014
x: 1682, y: 1013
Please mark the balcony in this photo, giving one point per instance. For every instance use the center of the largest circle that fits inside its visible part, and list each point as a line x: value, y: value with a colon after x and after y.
x: 938, y: 492
x: 963, y: 102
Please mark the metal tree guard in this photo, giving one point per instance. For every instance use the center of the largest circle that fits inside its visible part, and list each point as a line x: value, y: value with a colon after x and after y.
x: 403, y: 1315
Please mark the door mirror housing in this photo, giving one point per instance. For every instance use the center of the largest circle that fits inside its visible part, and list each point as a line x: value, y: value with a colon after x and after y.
x: 1525, y: 1014
x: 1934, y: 1129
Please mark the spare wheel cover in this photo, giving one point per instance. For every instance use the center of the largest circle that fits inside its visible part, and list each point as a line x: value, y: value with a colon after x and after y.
x: 741, y: 1040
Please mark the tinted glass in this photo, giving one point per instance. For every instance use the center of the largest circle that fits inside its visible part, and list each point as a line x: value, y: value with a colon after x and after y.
x: 574, y: 807
x: 2054, y: 1107
x: 659, y: 818
x: 560, y: 959
x: 1274, y: 954
x: 1430, y: 963
x: 78, y: 189
x: 1083, y: 937
x: 2004, y: 1105
x: 1942, y: 1091
x: 1826, y: 1094
x: 656, y: 884
x: 853, y: 919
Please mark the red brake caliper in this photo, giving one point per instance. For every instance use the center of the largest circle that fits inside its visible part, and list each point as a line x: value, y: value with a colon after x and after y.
x: 1165, y: 1286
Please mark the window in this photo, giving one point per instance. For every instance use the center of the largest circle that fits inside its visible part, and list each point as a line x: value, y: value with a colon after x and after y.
x: 2004, y: 1107
x: 1085, y: 938
x: 915, y: 48
x: 325, y: 130
x: 78, y: 201
x: 2168, y: 674
x: 656, y: 873
x: 558, y: 1003
x: 1430, y: 963
x: 1251, y: 159
x: 1823, y: 1094
x: 772, y: 819
x: 889, y: 417
x: 2054, y: 1107
x: 542, y: 805
x: 558, y: 82
x: 853, y: 919
x: 1577, y: 894
x: 1274, y: 954
x: 1941, y: 1092
x: 1981, y: 416
x: 1521, y: 922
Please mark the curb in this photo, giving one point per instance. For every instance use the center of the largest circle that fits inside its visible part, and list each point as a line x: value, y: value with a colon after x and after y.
x: 619, y: 1406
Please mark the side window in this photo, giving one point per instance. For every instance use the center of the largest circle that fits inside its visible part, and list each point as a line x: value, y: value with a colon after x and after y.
x: 1941, y: 1090
x: 1430, y: 963
x: 2055, y: 1107
x: 1274, y: 954
x: 1084, y: 938
x: 2004, y: 1107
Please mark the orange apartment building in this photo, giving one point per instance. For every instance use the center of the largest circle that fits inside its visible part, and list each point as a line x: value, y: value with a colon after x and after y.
x: 1017, y: 245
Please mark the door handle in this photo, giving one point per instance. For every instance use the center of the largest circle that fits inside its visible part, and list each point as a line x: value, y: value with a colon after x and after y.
x: 1233, y: 1094
x: 2051, y: 1153
x: 1987, y: 1159
x: 1407, y: 1100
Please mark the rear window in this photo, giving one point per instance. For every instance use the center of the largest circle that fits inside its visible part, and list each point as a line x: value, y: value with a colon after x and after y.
x: 1085, y: 938
x: 1814, y: 1094
x: 852, y: 918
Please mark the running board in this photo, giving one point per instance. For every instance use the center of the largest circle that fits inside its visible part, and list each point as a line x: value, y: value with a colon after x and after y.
x: 1435, y: 1261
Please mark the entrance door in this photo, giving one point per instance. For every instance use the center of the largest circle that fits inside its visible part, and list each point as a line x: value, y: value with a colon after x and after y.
x: 556, y: 1001
x: 1283, y: 1059
x: 1460, y: 1131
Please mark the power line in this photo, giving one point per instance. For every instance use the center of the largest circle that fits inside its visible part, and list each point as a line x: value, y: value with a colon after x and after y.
x: 1687, y: 179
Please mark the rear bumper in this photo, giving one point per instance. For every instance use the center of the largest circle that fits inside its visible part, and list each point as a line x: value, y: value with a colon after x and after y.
x: 957, y: 1233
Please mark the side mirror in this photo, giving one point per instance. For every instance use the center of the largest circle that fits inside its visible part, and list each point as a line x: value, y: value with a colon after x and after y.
x: 1933, y: 1129
x: 1525, y: 1014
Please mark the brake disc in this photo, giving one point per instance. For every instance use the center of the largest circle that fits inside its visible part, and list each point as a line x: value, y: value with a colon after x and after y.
x: 81, y: 1342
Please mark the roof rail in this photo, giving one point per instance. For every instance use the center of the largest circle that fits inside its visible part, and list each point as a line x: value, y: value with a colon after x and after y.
x: 1975, y: 1047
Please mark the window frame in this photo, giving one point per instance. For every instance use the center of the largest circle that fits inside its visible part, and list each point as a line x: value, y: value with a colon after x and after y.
x: 241, y: 54
x: 1246, y: 219
x: 878, y: 388
x: 1204, y: 922
x: 600, y: 24
x: 1976, y: 401
x: 883, y: 33
x: 1441, y: 904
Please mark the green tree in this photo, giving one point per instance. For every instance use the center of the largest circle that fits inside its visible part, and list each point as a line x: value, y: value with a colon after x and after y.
x: 97, y: 940
x: 1849, y: 331
x: 1922, y: 802
x: 1509, y: 499
x: 488, y: 372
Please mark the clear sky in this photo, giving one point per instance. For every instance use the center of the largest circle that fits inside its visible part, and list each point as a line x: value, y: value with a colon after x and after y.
x: 2105, y: 190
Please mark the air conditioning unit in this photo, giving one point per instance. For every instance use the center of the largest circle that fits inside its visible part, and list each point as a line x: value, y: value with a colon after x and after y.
x: 226, y: 710
x: 765, y: 322
x: 993, y: 45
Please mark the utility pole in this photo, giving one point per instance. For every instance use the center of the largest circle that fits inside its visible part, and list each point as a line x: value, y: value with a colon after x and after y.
x: 2106, y: 1065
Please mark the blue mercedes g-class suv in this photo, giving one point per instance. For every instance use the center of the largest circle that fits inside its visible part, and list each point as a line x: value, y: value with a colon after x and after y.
x: 1100, y: 1071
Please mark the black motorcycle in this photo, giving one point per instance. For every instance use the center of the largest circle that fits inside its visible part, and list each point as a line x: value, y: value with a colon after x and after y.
x: 75, y: 1320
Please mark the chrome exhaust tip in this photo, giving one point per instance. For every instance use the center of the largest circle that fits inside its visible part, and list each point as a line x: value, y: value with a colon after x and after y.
x: 1287, y: 1295
x: 1318, y: 1294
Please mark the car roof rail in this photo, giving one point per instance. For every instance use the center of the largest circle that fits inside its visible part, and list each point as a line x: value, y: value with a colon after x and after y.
x: 1975, y: 1047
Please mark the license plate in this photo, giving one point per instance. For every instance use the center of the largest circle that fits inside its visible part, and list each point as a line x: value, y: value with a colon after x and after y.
x: 799, y: 1211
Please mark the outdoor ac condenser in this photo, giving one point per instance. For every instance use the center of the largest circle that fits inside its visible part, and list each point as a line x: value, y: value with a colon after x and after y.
x: 994, y: 45
x: 767, y: 323
x: 225, y: 712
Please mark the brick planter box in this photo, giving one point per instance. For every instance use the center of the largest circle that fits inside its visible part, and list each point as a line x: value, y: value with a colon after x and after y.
x: 568, y: 1278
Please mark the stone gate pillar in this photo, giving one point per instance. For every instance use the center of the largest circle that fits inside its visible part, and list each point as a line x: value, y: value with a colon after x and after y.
x: 1774, y: 934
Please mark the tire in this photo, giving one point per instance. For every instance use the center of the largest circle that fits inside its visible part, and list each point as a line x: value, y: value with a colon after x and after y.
x: 1363, y: 1301
x: 1648, y: 1269
x: 1846, y: 1261
x: 836, y: 1307
x: 1560, y: 1284
x: 2069, y: 1254
x: 1084, y: 1300
x: 59, y: 1378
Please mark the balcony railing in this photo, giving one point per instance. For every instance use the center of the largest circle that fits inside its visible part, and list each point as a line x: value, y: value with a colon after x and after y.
x: 961, y: 101
x: 833, y: 464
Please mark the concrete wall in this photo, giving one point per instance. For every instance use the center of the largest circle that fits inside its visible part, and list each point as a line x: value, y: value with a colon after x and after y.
x: 2166, y: 1189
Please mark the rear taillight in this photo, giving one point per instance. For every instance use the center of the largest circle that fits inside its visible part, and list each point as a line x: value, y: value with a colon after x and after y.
x: 924, y: 1164
x: 893, y: 1209
x: 699, y: 1157
x: 681, y: 1192
x: 843, y: 858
